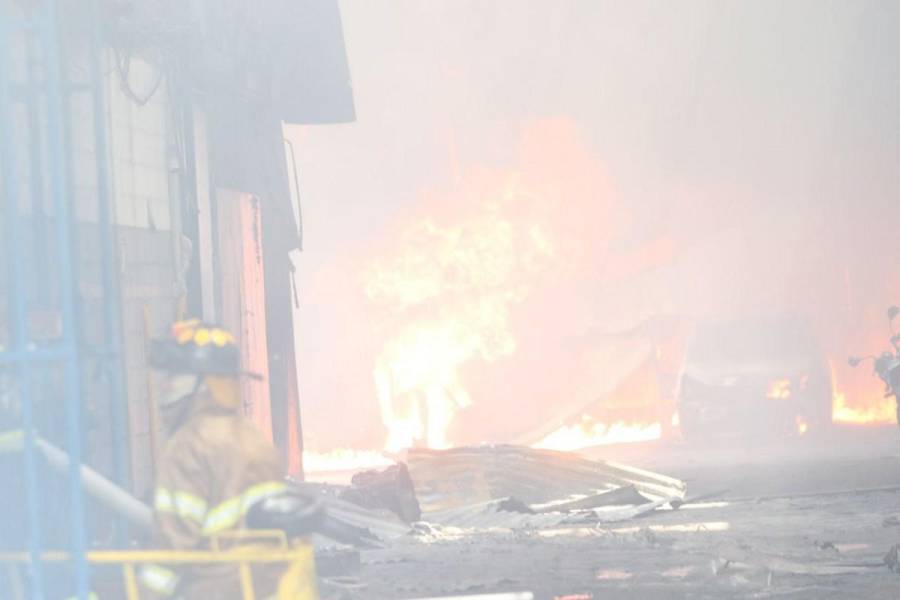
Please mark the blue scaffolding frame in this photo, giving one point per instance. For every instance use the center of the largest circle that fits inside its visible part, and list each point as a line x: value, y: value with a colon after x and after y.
x: 47, y: 101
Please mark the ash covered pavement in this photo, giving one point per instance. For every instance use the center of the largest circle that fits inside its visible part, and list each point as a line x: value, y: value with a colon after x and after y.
x: 813, y: 517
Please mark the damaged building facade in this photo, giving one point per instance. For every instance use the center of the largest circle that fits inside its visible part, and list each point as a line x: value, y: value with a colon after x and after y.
x: 145, y: 178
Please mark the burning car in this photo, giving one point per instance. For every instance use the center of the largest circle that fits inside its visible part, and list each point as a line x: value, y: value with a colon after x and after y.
x: 762, y: 374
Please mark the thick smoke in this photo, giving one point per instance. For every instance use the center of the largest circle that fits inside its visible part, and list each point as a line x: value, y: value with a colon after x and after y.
x: 686, y: 160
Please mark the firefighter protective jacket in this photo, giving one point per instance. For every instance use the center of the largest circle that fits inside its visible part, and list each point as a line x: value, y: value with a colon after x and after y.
x: 214, y: 467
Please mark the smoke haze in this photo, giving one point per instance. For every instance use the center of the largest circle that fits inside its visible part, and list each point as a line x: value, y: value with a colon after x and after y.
x: 654, y: 160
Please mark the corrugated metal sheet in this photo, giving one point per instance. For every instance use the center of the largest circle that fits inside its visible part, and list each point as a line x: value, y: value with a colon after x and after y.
x: 617, y: 497
x: 383, y: 524
x: 491, y: 515
x: 446, y: 479
x: 510, y: 487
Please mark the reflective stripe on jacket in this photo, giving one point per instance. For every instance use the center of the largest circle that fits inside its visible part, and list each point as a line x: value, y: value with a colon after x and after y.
x: 214, y: 467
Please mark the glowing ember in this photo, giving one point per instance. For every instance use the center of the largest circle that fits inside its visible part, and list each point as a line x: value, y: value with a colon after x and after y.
x: 676, y: 419
x: 343, y: 460
x: 608, y: 574
x: 779, y: 389
x: 588, y: 433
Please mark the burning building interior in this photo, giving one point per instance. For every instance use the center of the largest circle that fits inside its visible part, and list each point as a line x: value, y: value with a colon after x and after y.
x: 548, y: 276
x: 562, y: 294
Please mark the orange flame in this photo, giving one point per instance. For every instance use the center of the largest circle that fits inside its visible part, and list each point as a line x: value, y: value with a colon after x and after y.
x: 779, y: 389
x: 452, y: 288
x: 589, y: 433
x: 447, y: 288
x: 878, y: 411
x: 881, y: 412
x: 343, y: 460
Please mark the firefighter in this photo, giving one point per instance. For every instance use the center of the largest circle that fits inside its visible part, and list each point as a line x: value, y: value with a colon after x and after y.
x: 215, y: 465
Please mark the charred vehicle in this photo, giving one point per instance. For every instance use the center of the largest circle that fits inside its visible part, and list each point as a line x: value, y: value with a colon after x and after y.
x: 754, y: 375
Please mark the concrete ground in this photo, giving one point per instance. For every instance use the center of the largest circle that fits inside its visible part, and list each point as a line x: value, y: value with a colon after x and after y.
x: 811, y: 517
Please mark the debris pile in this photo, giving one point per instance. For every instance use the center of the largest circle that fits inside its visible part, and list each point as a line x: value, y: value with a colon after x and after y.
x: 507, y: 487
x: 391, y: 489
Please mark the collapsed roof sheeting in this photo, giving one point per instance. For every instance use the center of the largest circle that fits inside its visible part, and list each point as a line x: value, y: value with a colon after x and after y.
x: 383, y: 524
x: 504, y: 488
x: 496, y: 514
x: 447, y: 479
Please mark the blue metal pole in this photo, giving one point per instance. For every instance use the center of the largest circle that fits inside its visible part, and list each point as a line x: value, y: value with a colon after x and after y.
x: 18, y: 311
x: 32, y: 356
x: 59, y: 189
x: 112, y: 310
x: 36, y: 169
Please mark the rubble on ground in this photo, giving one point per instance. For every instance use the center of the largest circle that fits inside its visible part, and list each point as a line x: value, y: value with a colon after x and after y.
x: 389, y: 489
x: 498, y: 487
x: 451, y: 478
x: 514, y: 487
x: 792, y: 527
x: 892, y: 558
